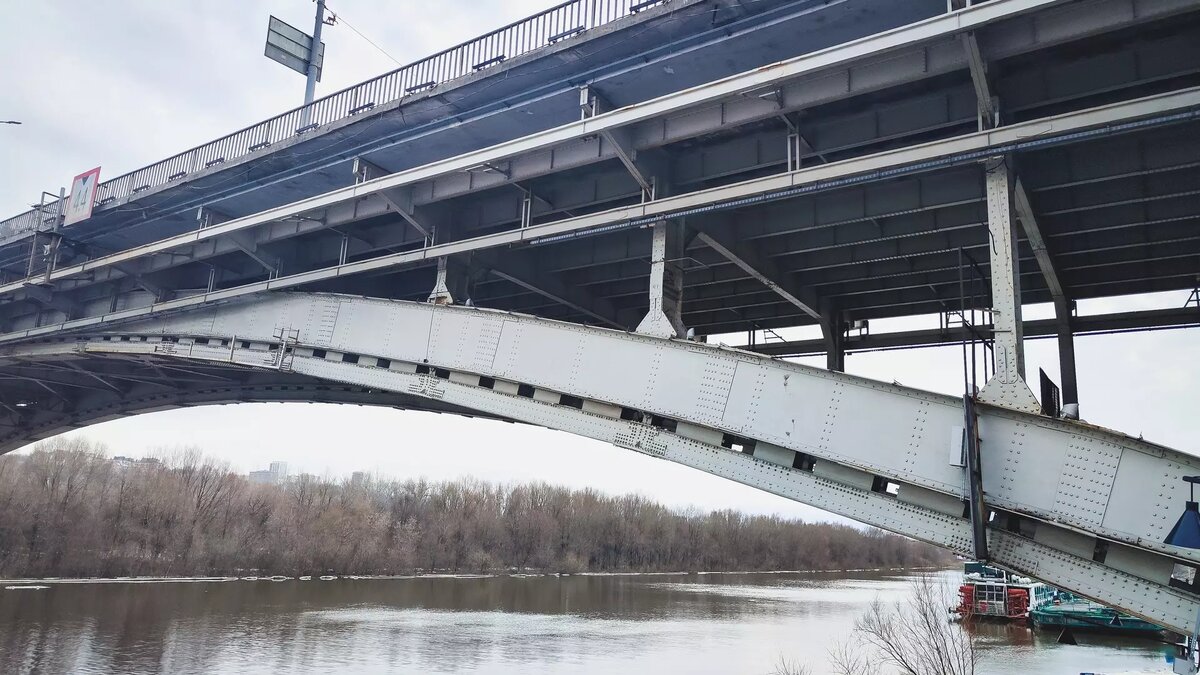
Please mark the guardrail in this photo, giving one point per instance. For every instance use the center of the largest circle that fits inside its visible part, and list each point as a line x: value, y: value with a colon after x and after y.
x: 546, y: 28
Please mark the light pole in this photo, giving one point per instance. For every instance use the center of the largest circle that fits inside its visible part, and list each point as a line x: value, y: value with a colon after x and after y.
x: 311, y: 85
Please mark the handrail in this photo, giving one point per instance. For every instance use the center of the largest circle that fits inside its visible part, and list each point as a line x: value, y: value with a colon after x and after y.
x: 561, y: 22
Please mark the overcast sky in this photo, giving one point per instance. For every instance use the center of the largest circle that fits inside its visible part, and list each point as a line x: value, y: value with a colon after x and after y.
x: 124, y: 83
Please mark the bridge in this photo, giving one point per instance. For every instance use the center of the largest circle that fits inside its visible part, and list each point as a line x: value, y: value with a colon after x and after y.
x: 547, y: 224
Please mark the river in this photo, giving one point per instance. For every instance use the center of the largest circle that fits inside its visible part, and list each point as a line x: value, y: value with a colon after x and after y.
x: 716, y: 623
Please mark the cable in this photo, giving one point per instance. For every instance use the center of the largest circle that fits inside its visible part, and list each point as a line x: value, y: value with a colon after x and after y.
x: 339, y: 17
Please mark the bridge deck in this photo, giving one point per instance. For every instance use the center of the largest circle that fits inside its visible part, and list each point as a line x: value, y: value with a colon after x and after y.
x: 1116, y: 210
x: 633, y: 57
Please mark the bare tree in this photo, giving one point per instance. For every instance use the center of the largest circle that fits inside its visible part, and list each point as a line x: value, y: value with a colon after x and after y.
x: 67, y: 510
x: 916, y: 636
x: 847, y: 660
x: 786, y: 666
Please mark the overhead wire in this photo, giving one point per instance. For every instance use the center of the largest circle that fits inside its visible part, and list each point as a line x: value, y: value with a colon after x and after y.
x: 339, y: 17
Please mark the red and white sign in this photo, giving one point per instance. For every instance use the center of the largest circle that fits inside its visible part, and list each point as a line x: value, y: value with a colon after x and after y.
x: 83, y: 197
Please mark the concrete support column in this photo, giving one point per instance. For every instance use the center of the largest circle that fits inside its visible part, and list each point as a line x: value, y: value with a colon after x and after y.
x: 450, y: 288
x: 835, y: 338
x: 1066, y: 352
x: 664, y: 319
x: 1007, y: 386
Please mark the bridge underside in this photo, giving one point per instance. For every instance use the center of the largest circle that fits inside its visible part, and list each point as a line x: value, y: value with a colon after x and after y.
x: 1116, y: 211
x: 43, y: 395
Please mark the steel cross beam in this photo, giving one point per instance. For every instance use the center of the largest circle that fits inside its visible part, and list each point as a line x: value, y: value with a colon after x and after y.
x: 1116, y: 118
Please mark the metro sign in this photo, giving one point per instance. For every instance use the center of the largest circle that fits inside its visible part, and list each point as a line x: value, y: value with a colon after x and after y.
x: 83, y: 197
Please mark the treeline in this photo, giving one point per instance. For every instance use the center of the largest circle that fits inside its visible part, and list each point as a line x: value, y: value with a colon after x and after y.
x: 67, y: 510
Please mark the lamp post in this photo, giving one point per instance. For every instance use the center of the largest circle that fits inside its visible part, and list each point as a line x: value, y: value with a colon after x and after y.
x: 310, y: 85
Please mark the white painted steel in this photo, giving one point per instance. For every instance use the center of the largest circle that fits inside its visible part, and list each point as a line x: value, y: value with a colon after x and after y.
x: 1007, y: 386
x: 1075, y: 482
x: 664, y: 316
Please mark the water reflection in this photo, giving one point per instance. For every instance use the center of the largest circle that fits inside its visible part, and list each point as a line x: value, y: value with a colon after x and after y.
x: 576, y: 624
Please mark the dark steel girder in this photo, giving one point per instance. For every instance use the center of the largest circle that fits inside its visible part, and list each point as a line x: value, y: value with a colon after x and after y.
x: 1102, y: 324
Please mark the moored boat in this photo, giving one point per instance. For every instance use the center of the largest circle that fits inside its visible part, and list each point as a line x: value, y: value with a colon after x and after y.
x: 992, y: 593
x: 1077, y: 614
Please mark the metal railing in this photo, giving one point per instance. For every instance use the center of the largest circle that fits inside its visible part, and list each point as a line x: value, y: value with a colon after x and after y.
x: 546, y: 28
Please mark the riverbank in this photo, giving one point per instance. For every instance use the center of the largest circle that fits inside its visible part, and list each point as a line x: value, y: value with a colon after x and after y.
x: 16, y: 584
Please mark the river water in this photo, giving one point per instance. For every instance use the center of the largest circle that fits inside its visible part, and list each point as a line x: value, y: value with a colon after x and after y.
x: 717, y: 623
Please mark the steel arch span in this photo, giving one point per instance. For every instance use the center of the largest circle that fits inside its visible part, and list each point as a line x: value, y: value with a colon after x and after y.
x: 1081, y: 507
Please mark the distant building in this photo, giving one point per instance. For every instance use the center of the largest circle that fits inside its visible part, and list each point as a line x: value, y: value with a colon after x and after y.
x: 275, y: 475
x: 122, y: 462
x: 359, y: 478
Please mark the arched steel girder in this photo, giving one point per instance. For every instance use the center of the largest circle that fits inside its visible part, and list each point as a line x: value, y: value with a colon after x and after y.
x: 1067, y: 501
x: 73, y: 399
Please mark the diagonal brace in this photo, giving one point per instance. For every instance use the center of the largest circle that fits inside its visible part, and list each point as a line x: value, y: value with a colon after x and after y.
x: 521, y: 269
x: 400, y: 200
x: 622, y: 143
x: 759, y: 267
x: 247, y: 245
